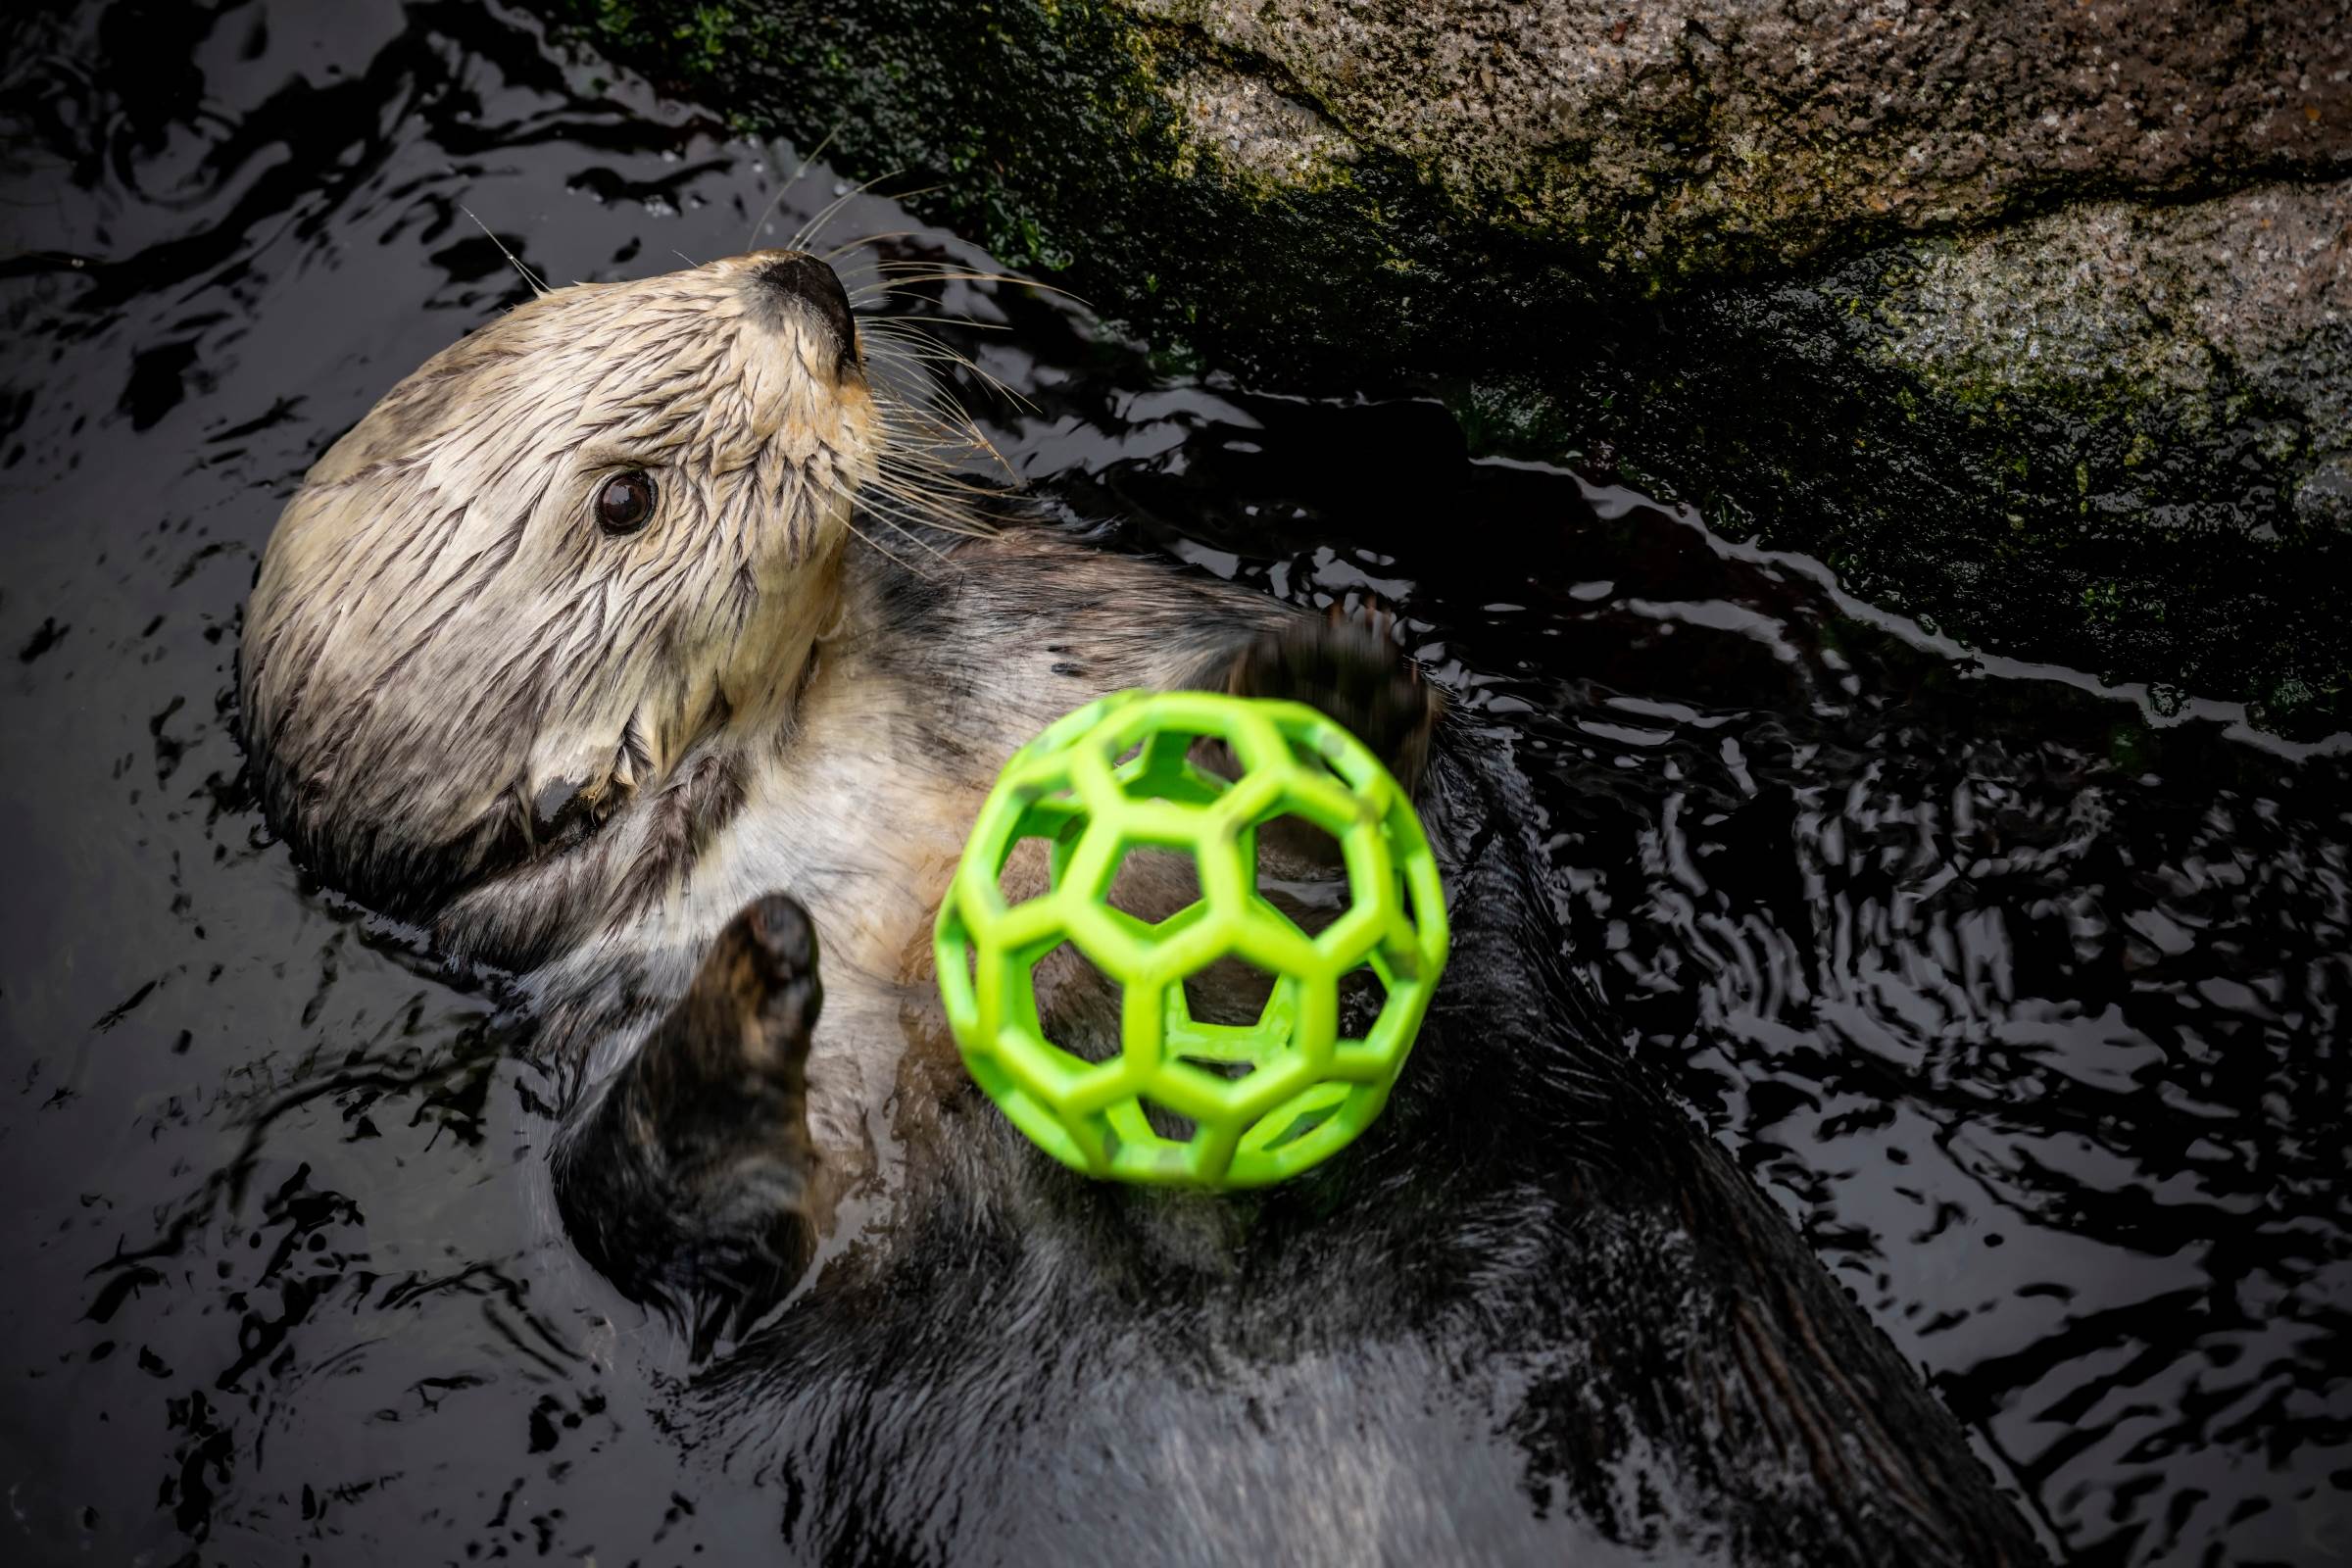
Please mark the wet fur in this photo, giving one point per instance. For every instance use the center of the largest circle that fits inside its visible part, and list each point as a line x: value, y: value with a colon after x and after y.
x: 1531, y: 1311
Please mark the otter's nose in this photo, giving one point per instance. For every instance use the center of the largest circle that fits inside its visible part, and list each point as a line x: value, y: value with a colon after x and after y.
x: 797, y: 282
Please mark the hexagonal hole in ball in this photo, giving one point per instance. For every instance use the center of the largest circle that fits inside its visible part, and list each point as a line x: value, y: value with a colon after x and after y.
x: 1315, y: 762
x: 1177, y: 1129
x: 1078, y: 1005
x: 1235, y: 1016
x: 1175, y: 765
x: 1154, y: 883
x: 1363, y: 994
x: 1299, y: 1117
x: 1302, y: 871
x: 1054, y: 823
x: 1363, y: 998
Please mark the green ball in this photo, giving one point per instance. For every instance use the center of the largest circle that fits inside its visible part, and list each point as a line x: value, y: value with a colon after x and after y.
x: 1265, y: 1100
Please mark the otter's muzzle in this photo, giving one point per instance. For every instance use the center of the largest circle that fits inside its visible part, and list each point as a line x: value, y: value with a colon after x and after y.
x: 798, y: 282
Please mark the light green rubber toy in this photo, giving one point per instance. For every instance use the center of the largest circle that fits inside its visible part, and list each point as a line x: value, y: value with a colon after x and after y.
x: 1266, y: 1101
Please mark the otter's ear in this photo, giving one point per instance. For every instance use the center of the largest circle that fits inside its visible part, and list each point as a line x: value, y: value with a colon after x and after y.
x: 687, y: 1181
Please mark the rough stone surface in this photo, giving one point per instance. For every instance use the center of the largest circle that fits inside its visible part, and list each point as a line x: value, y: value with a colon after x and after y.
x: 2123, y: 306
x: 1683, y: 137
x: 1255, y: 131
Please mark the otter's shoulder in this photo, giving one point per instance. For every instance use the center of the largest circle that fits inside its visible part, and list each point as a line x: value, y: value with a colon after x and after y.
x: 1045, y: 599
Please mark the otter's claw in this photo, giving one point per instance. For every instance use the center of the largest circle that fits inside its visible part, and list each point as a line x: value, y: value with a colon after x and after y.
x: 1349, y: 666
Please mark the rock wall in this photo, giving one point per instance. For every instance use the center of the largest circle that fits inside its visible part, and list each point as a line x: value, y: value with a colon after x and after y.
x: 2034, y: 318
x: 1680, y: 140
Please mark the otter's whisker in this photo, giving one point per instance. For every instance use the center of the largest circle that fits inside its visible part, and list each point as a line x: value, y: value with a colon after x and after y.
x: 966, y: 524
x: 529, y: 276
x: 815, y: 226
x: 943, y: 473
x: 928, y: 394
x: 982, y: 374
x: 933, y: 442
x: 922, y: 437
x: 946, y: 480
x: 784, y: 189
x: 950, y: 319
x: 904, y: 351
x: 915, y: 337
x: 856, y: 280
x: 907, y: 523
x: 876, y: 544
x: 924, y: 418
x: 887, y: 289
x: 998, y: 387
x: 960, y: 527
x: 968, y: 441
x: 864, y: 240
x: 906, y: 531
x: 909, y: 275
x: 908, y: 272
x: 934, y: 492
x: 938, y: 493
x: 850, y: 285
x: 929, y: 411
x: 908, y: 534
x: 916, y: 495
x: 927, y: 497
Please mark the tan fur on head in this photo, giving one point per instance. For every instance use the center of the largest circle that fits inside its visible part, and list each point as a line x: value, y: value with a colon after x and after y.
x: 448, y: 661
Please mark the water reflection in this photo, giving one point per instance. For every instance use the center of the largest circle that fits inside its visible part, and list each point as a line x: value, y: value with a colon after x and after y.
x: 2024, y: 1004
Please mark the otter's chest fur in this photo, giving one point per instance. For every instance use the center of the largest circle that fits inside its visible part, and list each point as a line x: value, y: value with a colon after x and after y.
x: 935, y: 671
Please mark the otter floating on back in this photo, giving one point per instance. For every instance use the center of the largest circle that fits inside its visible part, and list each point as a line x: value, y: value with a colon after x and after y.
x: 570, y: 652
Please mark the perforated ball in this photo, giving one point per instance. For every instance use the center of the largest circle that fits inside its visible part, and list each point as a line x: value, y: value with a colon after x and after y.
x: 1261, y: 1100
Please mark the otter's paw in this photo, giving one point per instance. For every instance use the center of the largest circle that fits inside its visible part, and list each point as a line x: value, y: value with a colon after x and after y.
x: 689, y: 1183
x: 1349, y: 667
x: 755, y: 997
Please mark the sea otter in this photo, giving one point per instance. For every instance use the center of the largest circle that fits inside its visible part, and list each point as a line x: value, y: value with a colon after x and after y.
x: 603, y: 650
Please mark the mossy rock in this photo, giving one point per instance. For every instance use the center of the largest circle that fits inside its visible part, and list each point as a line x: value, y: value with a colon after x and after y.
x: 2106, y: 427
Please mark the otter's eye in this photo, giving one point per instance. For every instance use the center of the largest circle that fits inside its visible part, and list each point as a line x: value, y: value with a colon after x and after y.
x: 625, y: 503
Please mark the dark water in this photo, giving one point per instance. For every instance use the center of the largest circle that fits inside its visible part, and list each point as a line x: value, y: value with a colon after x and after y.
x: 2026, y: 1004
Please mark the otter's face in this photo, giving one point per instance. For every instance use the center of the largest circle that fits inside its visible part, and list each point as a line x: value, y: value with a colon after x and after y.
x: 545, y: 576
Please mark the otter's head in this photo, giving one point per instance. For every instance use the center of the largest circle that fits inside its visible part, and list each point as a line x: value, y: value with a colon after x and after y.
x: 508, y: 631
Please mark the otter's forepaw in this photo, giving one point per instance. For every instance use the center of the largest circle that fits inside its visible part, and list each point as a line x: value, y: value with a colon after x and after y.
x: 1349, y: 667
x: 690, y: 1181
x: 757, y: 997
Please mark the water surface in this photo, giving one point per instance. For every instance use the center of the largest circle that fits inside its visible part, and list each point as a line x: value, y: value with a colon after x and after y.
x: 2025, y: 1001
